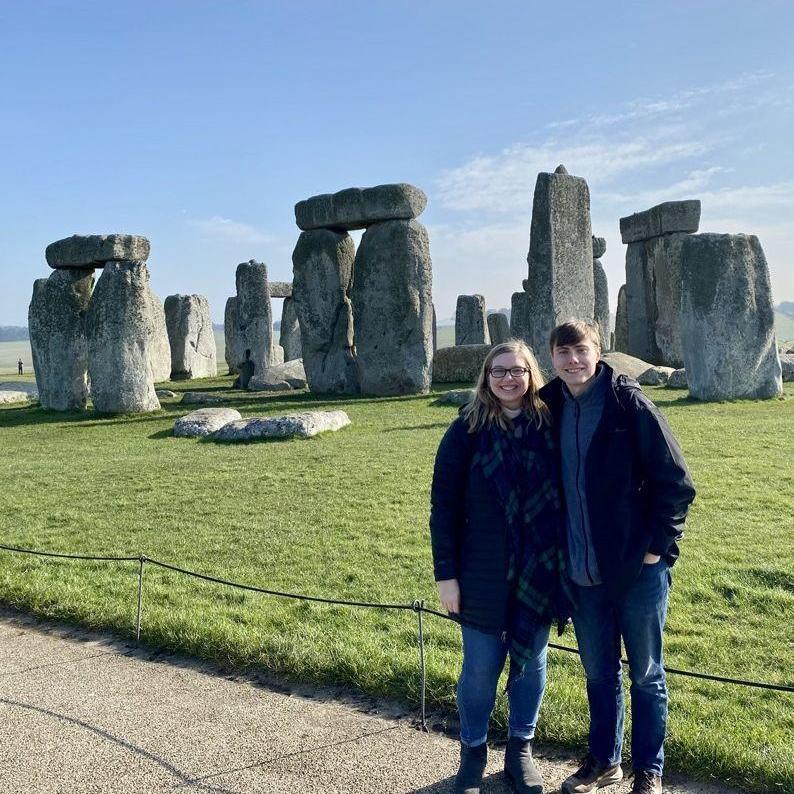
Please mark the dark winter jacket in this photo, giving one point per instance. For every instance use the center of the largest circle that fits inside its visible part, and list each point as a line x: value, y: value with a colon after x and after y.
x: 638, y: 488
x: 469, y: 530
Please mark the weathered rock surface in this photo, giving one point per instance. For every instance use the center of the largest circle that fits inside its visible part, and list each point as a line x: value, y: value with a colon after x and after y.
x: 727, y: 319
x: 519, y: 316
x: 599, y: 247
x: 393, y: 309
x: 31, y: 389
x: 290, y: 334
x: 601, y: 303
x: 459, y: 364
x: 94, y: 250
x: 663, y: 256
x: 471, y: 327
x: 204, y: 421
x: 624, y: 364
x: 191, y: 337
x: 10, y: 396
x: 58, y: 341
x: 498, y: 328
x: 159, y: 346
x: 165, y: 394
x: 231, y: 337
x: 640, y: 303
x: 670, y: 216
x: 202, y: 398
x: 621, y: 322
x: 120, y: 327
x: 280, y: 289
x: 457, y: 397
x: 560, y: 258
x: 254, y: 315
x: 787, y: 366
x: 322, y: 264
x: 290, y: 373
x: 655, y: 376
x: 677, y: 379
x: 302, y: 425
x: 357, y: 208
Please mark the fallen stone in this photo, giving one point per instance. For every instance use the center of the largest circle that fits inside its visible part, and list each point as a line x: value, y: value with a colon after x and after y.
x: 58, y: 341
x: 560, y: 258
x: 290, y: 372
x: 10, y: 396
x: 204, y: 421
x: 457, y: 397
x: 498, y: 328
x: 164, y: 394
x: 202, y: 398
x: 601, y: 303
x: 192, y: 339
x: 471, y: 327
x: 290, y: 333
x: 120, y: 327
x: 357, y: 208
x: 230, y: 336
x: 655, y: 376
x: 280, y: 289
x: 624, y: 364
x: 392, y: 309
x: 727, y: 319
x: 31, y: 389
x: 621, y: 343
x: 322, y: 264
x: 302, y: 425
x: 787, y: 365
x: 95, y: 250
x: 677, y: 379
x: 459, y: 364
x: 670, y: 216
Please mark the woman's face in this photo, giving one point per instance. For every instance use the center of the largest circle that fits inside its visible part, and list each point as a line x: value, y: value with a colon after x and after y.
x: 508, y: 389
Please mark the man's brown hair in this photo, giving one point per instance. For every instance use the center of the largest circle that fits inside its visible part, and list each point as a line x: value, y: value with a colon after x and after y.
x: 573, y: 332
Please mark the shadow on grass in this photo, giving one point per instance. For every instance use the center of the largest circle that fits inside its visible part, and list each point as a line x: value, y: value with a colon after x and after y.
x: 430, y: 426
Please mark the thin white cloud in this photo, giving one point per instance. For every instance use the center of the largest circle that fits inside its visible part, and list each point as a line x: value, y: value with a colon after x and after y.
x: 221, y: 228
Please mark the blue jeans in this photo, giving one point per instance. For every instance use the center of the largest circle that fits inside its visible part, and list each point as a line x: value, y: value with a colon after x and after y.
x: 639, y: 619
x: 483, y: 661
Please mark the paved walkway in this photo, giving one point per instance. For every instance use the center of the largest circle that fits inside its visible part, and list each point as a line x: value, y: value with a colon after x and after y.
x: 82, y: 712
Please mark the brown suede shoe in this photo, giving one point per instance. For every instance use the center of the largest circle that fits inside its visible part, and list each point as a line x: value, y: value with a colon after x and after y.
x: 646, y: 782
x: 591, y: 776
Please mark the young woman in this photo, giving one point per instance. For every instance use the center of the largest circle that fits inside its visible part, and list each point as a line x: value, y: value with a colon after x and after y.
x: 496, y: 528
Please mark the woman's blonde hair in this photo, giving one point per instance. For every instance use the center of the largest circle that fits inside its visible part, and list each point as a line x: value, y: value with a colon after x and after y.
x: 484, y: 408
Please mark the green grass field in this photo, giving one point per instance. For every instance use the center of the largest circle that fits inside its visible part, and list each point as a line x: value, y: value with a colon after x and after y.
x: 345, y: 516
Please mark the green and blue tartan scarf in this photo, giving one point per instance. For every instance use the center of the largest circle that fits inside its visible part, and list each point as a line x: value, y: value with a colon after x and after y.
x: 519, y: 463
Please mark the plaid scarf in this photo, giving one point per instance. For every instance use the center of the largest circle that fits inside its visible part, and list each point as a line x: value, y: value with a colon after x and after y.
x: 519, y: 464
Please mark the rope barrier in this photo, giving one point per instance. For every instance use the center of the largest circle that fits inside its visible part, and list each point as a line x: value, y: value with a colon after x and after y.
x: 416, y: 606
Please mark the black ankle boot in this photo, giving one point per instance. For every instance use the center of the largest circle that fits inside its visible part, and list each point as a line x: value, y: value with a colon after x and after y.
x: 520, y: 769
x: 472, y: 765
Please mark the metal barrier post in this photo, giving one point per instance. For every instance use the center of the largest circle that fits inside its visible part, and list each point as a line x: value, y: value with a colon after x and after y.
x: 141, y: 560
x: 419, y: 608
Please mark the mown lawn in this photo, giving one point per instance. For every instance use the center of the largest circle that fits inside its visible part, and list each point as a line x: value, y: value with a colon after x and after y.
x: 345, y: 516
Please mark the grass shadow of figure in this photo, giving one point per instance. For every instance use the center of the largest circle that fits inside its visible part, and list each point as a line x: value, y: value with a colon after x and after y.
x: 495, y: 783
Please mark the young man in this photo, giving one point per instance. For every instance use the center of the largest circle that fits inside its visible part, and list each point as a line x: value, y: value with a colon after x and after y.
x: 627, y: 491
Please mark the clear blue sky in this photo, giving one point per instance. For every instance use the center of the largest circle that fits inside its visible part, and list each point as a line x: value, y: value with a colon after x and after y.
x: 200, y: 124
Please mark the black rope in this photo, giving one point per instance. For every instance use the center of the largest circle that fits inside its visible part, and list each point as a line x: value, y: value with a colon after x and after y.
x: 414, y: 606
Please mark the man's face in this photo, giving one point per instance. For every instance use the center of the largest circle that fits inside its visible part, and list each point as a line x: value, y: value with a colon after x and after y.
x: 575, y: 364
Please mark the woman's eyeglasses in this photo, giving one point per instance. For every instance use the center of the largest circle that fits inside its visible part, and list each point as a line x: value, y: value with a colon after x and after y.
x: 500, y: 372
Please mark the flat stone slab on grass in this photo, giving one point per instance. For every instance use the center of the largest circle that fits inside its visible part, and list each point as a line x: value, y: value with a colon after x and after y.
x: 202, y: 398
x: 655, y: 376
x: 282, y: 377
x: 204, y: 421
x: 9, y: 396
x: 455, y: 397
x: 624, y: 364
x: 357, y: 208
x: 677, y: 379
x: 164, y: 393
x: 94, y: 250
x: 303, y: 425
x: 787, y: 364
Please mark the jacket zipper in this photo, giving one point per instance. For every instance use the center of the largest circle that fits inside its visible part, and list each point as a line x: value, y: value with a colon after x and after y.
x: 579, y: 495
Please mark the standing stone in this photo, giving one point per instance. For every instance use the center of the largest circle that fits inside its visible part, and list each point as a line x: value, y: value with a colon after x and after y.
x: 290, y: 337
x: 519, y: 316
x: 640, y: 303
x: 393, y: 310
x: 498, y: 328
x: 621, y: 323
x: 120, y: 328
x: 191, y: 337
x: 159, y: 346
x: 231, y: 336
x: 471, y: 327
x: 254, y: 315
x: 560, y: 257
x: 601, y: 303
x: 56, y: 321
x: 435, y: 330
x: 663, y: 255
x: 727, y: 319
x: 322, y: 265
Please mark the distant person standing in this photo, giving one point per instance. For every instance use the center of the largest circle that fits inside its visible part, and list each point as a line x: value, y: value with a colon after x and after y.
x: 19, y: 367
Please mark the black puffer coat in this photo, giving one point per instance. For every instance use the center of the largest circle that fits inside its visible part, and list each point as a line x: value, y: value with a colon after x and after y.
x: 469, y: 530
